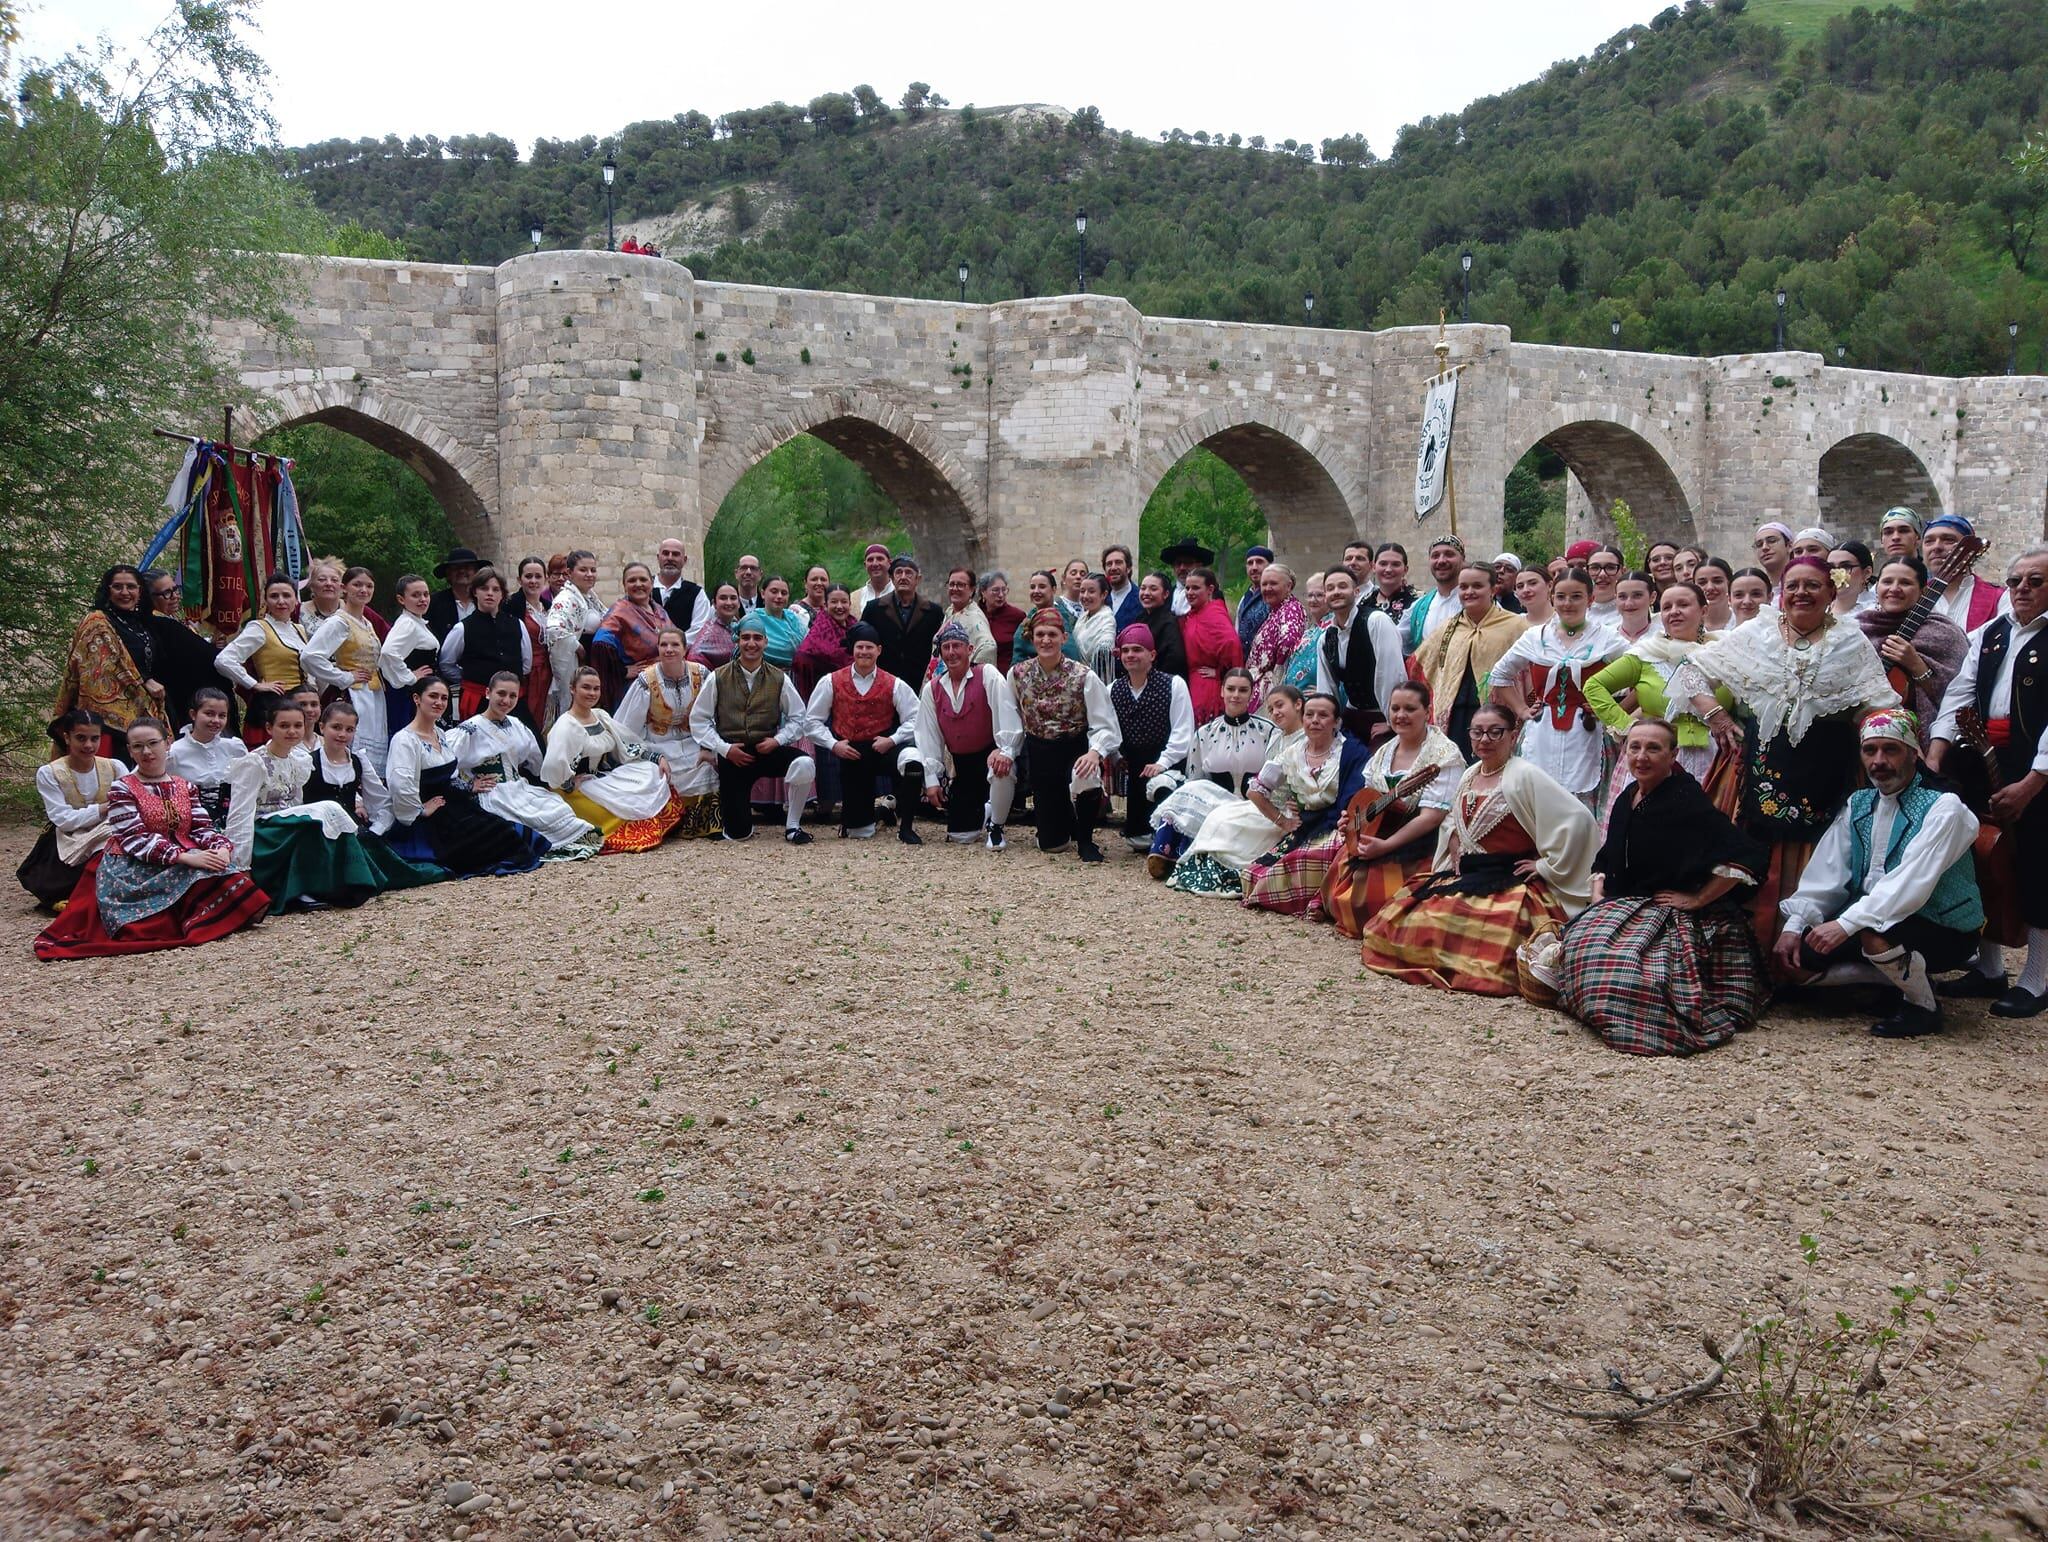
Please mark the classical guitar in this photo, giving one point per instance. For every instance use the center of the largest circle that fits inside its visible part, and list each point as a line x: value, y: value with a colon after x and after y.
x: 1369, y: 809
x: 1997, y: 868
x: 1953, y: 567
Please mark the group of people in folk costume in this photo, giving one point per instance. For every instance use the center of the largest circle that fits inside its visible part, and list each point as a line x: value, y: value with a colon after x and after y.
x: 1650, y: 794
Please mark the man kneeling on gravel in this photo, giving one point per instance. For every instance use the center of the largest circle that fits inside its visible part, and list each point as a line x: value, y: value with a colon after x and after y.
x: 1891, y: 892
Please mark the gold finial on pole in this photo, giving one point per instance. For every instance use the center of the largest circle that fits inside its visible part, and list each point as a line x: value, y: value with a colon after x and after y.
x: 1443, y: 347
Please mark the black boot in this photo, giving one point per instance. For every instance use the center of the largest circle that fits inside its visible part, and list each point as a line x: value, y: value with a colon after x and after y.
x: 904, y: 816
x: 1087, y: 811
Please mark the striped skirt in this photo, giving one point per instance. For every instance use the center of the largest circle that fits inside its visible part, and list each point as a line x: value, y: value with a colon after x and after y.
x: 1651, y: 980
x: 1431, y: 934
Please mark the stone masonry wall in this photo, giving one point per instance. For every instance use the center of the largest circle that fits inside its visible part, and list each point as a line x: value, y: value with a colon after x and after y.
x: 1036, y: 429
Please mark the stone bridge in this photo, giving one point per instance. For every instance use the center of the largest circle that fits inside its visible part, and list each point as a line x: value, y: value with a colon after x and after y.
x: 607, y: 400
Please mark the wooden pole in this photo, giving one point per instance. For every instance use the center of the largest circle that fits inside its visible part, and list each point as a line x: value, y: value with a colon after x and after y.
x: 165, y: 433
x: 1451, y: 489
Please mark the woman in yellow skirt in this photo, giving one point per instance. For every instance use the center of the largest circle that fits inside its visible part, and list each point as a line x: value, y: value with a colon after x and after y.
x: 609, y: 777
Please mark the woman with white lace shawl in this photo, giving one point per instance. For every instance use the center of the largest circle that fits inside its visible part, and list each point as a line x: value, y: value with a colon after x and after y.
x: 1801, y: 679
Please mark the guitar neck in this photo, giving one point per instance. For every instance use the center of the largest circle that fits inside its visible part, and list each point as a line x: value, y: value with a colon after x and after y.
x: 1923, y: 607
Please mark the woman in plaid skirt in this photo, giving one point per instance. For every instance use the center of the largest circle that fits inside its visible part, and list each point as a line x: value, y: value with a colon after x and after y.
x: 1663, y: 963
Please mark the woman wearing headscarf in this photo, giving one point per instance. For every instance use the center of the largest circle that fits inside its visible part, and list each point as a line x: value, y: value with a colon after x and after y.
x: 164, y: 879
x: 111, y: 669
x: 1662, y: 962
x: 1801, y: 677
x: 1282, y: 631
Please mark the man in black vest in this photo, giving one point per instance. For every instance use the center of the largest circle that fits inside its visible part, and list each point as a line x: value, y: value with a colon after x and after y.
x: 906, y: 622
x: 2005, y: 678
x: 1359, y: 661
x: 686, y: 603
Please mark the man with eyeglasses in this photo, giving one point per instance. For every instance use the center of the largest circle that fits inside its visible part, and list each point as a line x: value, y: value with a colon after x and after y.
x: 1772, y: 545
x: 2005, y: 678
x: 1969, y: 601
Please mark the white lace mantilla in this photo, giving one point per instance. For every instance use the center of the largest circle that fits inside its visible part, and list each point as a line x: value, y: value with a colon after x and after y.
x: 1783, y: 687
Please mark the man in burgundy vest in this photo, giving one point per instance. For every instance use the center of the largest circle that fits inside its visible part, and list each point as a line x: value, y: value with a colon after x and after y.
x: 968, y: 718
x: 868, y: 719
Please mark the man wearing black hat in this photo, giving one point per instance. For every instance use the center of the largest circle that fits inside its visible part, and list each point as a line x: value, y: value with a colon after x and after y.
x: 451, y: 604
x: 867, y: 717
x: 905, y: 622
x: 1184, y: 556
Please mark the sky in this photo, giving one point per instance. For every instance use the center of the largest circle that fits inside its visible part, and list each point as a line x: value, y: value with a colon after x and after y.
x: 1282, y: 68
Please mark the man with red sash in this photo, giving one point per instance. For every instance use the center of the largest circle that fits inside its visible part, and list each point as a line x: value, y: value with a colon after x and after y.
x: 868, y: 718
x: 968, y: 719
x: 2005, y: 677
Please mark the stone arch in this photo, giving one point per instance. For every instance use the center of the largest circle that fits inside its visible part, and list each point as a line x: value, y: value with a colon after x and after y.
x: 940, y: 502
x: 1610, y: 459
x: 462, y: 481
x: 1866, y: 473
x: 1284, y: 460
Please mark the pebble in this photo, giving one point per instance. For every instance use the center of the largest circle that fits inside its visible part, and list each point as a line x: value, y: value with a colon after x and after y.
x: 474, y: 1505
x: 458, y: 1493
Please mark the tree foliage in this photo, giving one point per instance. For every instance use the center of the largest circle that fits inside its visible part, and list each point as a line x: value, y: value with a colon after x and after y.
x: 139, y: 207
x: 363, y: 505
x: 1202, y: 498
x: 800, y: 504
x: 1674, y: 177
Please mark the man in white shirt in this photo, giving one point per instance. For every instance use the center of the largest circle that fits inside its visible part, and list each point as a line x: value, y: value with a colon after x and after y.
x: 1891, y: 892
x: 876, y: 560
x: 1433, y: 608
x: 688, y: 606
x: 967, y: 720
x: 868, y: 719
x: 1359, y: 666
x: 2004, y: 681
x: 1969, y: 601
x: 749, y: 715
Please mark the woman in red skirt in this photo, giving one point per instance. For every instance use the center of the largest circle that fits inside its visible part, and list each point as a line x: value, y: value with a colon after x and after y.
x: 164, y: 878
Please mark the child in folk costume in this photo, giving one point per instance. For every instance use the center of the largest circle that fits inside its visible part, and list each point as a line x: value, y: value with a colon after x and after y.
x: 305, y: 853
x: 263, y: 659
x: 74, y: 789
x: 968, y: 734
x: 866, y: 718
x: 609, y: 777
x: 656, y: 711
x: 488, y: 640
x: 205, y: 751
x: 342, y: 655
x: 1228, y: 751
x: 164, y: 879
x: 493, y: 749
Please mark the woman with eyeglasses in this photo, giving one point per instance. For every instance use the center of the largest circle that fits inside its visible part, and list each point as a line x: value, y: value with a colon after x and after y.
x: 1800, y: 681
x: 1604, y: 567
x: 1514, y: 858
x: 1850, y: 564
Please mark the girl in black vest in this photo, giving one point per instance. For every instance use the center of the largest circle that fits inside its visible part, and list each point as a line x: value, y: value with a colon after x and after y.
x: 488, y: 640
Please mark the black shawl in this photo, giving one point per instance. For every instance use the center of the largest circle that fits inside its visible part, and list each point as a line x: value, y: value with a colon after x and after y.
x: 1673, y: 840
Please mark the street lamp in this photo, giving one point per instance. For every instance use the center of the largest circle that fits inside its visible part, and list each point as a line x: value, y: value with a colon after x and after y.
x: 1081, y: 250
x: 1841, y: 353
x: 2012, y: 343
x: 1780, y: 298
x: 963, y: 280
x: 1614, y: 328
x: 1465, y: 287
x: 534, y: 235
x: 1308, y: 308
x: 611, y: 170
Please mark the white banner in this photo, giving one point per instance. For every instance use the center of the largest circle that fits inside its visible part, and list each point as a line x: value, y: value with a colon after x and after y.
x: 1433, y: 453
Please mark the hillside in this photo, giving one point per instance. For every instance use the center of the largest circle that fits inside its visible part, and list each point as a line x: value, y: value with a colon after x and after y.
x: 1871, y: 162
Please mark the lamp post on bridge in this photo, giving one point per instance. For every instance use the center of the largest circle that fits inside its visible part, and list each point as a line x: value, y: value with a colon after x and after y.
x: 611, y: 170
x: 1464, y: 287
x: 2012, y: 347
x: 1779, y: 297
x: 534, y: 235
x: 963, y: 280
x: 1308, y: 309
x: 1614, y: 331
x: 1841, y: 355
x: 1081, y: 250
